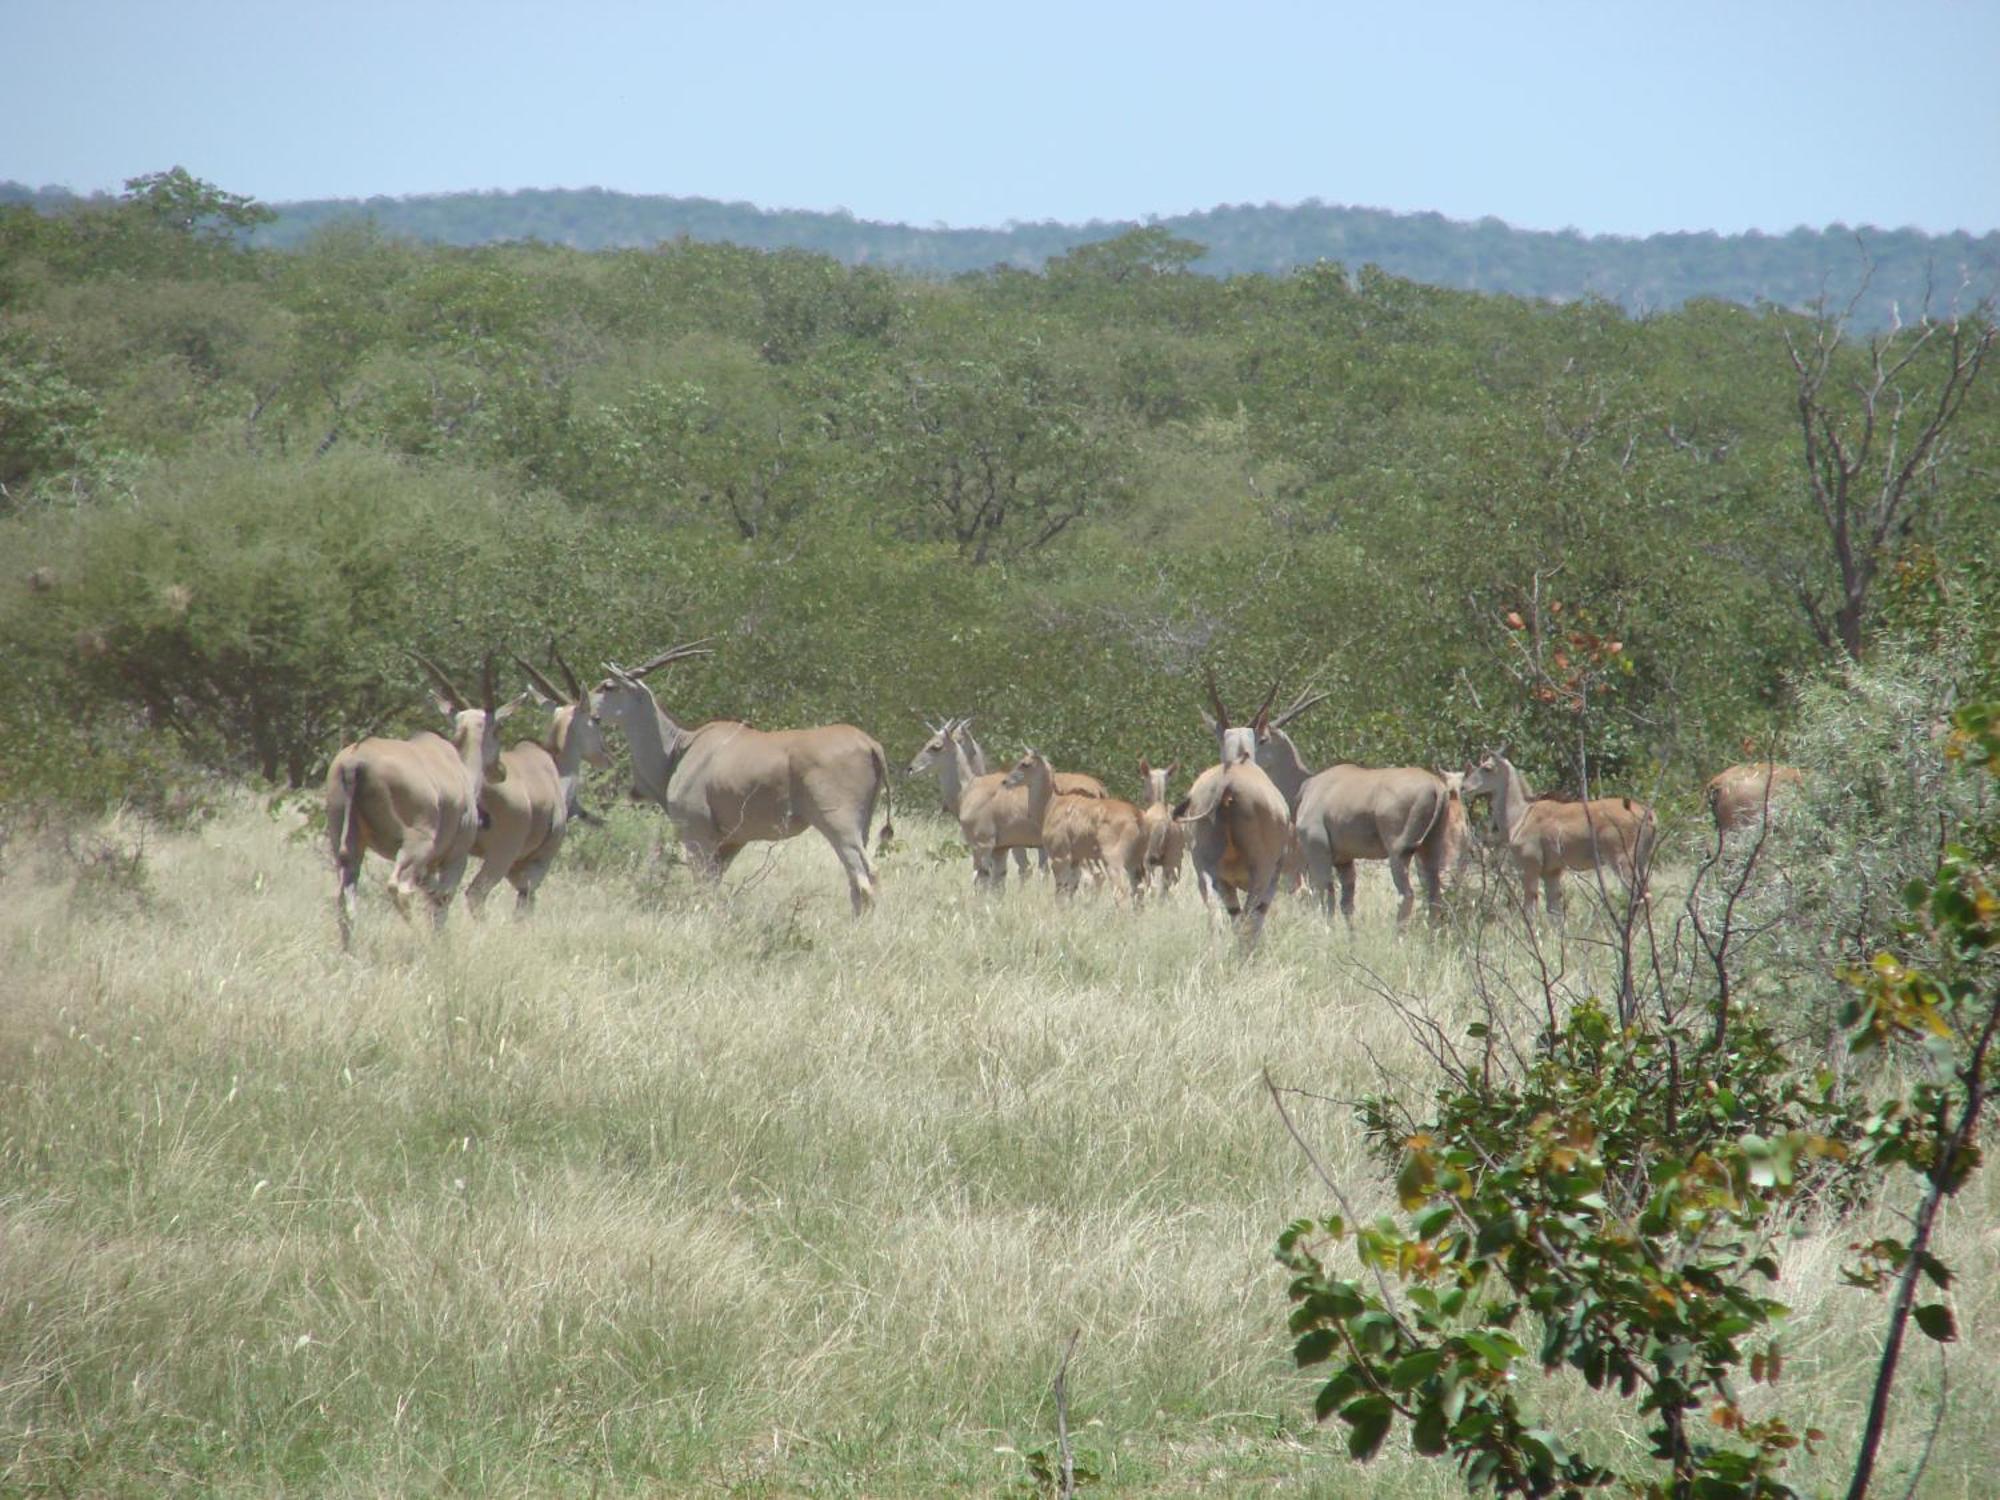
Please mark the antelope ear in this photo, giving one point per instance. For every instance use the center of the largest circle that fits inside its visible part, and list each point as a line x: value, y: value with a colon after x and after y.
x: 444, y: 705
x: 1171, y: 769
x: 1144, y: 769
x: 510, y: 705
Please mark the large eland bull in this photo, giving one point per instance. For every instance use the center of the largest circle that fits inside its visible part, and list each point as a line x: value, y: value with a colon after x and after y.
x: 415, y: 802
x: 724, y: 784
x: 1348, y: 812
x: 1237, y: 825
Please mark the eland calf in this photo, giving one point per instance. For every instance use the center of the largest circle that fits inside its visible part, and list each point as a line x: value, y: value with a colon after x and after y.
x: 1166, y: 843
x: 1080, y: 832
x: 1740, y: 796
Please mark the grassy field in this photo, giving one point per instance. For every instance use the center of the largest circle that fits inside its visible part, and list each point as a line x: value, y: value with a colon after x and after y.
x: 674, y: 1192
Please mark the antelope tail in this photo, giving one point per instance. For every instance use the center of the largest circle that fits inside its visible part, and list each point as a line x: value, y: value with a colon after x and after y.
x: 1439, y: 819
x: 347, y: 850
x: 888, y: 800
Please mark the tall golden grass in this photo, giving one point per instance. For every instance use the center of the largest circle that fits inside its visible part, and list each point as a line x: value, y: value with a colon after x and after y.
x: 672, y: 1190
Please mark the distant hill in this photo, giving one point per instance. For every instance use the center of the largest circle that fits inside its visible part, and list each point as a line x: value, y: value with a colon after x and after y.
x: 1657, y: 272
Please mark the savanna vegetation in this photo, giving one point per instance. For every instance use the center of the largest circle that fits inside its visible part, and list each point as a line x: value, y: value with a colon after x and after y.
x: 672, y: 1189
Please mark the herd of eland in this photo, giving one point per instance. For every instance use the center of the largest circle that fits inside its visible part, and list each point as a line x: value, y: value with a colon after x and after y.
x: 1256, y: 820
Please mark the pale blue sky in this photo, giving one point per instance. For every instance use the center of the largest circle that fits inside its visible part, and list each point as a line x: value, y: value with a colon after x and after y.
x: 1609, y: 117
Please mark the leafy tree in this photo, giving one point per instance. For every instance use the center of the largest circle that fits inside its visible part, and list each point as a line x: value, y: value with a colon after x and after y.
x: 999, y: 456
x: 47, y: 424
x: 178, y: 200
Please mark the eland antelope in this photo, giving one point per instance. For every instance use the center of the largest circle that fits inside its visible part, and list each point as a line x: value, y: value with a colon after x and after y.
x: 415, y: 802
x: 1237, y: 825
x: 1348, y: 812
x: 1166, y: 843
x: 527, y: 811
x: 995, y: 818
x: 1738, y: 797
x: 1081, y: 831
x: 724, y: 784
x: 955, y: 756
x: 1457, y: 826
x: 1548, y: 835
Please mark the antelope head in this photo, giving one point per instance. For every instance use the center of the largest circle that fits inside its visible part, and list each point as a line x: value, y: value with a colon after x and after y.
x: 576, y: 722
x: 1238, y: 742
x: 623, y: 692
x: 1025, y: 769
x: 472, y: 724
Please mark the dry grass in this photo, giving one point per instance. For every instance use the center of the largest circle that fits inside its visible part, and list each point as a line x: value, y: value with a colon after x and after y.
x: 674, y: 1192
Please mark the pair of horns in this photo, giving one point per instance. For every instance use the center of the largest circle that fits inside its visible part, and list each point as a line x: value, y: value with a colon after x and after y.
x: 1262, y: 718
x: 488, y: 688
x: 702, y: 647
x: 542, y: 684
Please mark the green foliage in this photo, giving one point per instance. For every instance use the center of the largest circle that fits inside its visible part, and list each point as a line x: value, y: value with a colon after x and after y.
x: 47, y: 424
x: 178, y: 200
x: 1347, y: 475
x: 1864, y: 824
x: 999, y: 456
x: 1596, y: 1213
x: 257, y: 614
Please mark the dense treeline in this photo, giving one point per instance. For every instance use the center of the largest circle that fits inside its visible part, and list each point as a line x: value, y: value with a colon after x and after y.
x: 1902, y: 267
x: 240, y: 483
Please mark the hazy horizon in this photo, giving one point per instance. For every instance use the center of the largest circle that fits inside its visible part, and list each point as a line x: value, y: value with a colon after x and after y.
x: 1605, y: 120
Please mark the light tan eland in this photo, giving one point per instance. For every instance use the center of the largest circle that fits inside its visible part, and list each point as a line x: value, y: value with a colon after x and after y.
x: 1739, y: 797
x: 1237, y: 826
x: 1348, y: 812
x: 1457, y: 827
x: 1081, y: 832
x: 527, y: 812
x: 954, y: 755
x: 1166, y: 841
x: 415, y: 802
x: 995, y: 818
x: 1546, y: 836
x: 725, y: 785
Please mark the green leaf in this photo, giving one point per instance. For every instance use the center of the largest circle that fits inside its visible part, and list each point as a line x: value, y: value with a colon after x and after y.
x: 1315, y: 1347
x: 1937, y: 1322
x: 1412, y: 1368
x: 1429, y: 1432
x: 1369, y: 1417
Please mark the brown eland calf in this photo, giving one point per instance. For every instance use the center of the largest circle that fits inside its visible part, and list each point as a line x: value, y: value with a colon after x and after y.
x: 1547, y: 836
x: 995, y: 818
x: 1166, y: 843
x: 1081, y: 832
x: 415, y: 802
x: 725, y: 785
x: 1457, y: 827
